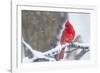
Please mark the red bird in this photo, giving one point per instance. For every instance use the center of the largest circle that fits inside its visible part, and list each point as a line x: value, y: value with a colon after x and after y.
x: 68, y: 34
x: 67, y: 37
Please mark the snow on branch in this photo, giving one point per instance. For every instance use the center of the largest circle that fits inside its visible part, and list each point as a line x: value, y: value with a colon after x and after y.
x: 49, y: 55
x: 36, y: 54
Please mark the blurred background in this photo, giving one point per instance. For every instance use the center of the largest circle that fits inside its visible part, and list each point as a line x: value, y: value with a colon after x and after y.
x: 40, y: 29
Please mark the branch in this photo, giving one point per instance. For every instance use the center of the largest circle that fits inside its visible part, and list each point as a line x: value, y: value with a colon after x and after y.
x: 36, y: 54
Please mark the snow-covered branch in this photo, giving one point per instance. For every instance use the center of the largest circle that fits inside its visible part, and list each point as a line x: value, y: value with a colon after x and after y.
x: 49, y: 55
x: 36, y: 54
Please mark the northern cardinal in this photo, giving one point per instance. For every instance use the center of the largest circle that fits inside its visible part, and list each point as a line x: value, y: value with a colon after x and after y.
x: 67, y: 37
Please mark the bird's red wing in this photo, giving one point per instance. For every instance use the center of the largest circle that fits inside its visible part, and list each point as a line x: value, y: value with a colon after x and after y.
x: 67, y: 37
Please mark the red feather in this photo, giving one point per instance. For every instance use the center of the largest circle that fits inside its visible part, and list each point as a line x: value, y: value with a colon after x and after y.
x: 67, y: 37
x: 68, y: 34
x: 61, y: 54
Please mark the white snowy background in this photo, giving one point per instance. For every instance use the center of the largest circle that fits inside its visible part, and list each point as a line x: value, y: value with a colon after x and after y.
x: 81, y: 23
